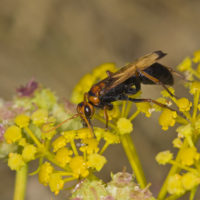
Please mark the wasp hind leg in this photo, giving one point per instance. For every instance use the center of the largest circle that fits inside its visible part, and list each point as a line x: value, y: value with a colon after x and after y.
x: 127, y: 98
x: 156, y: 81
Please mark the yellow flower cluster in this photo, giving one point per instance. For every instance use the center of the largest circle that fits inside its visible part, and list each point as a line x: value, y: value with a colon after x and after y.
x: 77, y: 161
x: 186, y: 175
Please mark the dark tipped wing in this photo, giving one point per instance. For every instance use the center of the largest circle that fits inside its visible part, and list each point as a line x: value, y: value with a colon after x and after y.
x: 129, y: 70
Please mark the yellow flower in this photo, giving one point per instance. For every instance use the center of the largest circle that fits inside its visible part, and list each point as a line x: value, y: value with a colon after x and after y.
x: 190, y: 180
x: 167, y: 118
x: 63, y: 156
x: 194, y: 87
x: 174, y: 185
x: 22, y: 120
x: 164, y: 93
x: 145, y: 108
x: 79, y: 167
x: 29, y: 152
x: 91, y: 145
x: 46, y: 133
x: 111, y: 138
x: 177, y: 142
x: 163, y: 101
x: 185, y: 130
x: 69, y: 135
x: 46, y: 170
x: 12, y: 134
x: 196, y: 57
x: 164, y: 157
x: 188, y: 156
x: 39, y: 117
x: 185, y: 65
x: 56, y: 183
x: 22, y: 142
x: 198, y: 68
x: 82, y: 87
x: 59, y: 143
x: 124, y: 126
x: 83, y: 133
x: 183, y: 104
x: 99, y: 133
x: 15, y: 161
x: 96, y: 161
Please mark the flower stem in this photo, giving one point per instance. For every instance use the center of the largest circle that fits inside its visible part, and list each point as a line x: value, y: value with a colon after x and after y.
x: 192, y: 193
x: 133, y: 158
x: 174, y: 169
x: 195, y: 106
x: 20, y: 183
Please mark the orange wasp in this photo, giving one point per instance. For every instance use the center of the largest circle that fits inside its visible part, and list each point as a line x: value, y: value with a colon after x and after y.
x: 120, y: 85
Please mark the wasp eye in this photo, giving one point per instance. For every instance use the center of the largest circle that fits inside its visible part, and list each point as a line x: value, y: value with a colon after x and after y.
x: 87, y: 111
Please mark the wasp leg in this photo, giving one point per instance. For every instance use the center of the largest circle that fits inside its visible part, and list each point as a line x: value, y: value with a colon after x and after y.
x: 105, y: 108
x: 124, y: 97
x: 155, y: 80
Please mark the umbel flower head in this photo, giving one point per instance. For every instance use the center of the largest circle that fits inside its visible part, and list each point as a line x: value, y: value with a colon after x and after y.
x: 185, y: 176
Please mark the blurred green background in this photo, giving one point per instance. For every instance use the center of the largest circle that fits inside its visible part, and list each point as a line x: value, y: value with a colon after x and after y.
x: 57, y: 42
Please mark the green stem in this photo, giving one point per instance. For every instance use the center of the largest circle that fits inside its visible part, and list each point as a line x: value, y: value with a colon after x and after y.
x: 33, y: 137
x: 174, y: 169
x: 134, y: 115
x: 133, y: 158
x: 192, y: 193
x: 195, y: 106
x: 20, y: 183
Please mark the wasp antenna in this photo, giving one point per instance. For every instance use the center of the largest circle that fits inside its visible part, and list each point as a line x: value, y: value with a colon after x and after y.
x: 160, y: 54
x: 59, y: 125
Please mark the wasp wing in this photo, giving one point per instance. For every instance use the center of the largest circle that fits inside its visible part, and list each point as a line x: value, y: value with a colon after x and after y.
x: 129, y: 70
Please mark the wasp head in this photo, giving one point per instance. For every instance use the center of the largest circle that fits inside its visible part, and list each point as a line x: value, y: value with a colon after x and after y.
x: 86, y: 110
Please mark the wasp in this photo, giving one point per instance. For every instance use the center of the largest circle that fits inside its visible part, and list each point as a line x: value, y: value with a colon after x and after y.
x: 119, y: 86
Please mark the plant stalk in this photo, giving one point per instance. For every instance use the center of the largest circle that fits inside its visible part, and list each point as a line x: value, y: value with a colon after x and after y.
x: 133, y: 158
x: 20, y: 183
